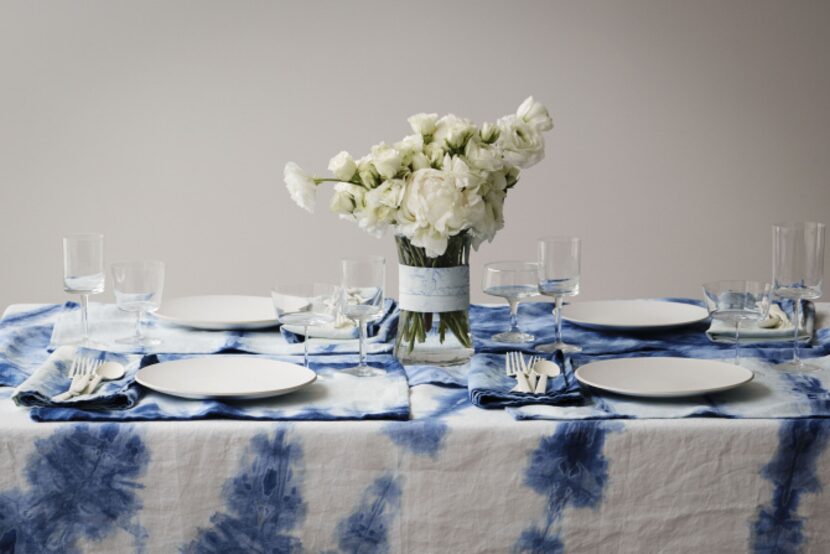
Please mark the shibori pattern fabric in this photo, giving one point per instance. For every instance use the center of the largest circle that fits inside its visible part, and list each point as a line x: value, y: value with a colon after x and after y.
x: 108, y: 323
x: 440, y: 481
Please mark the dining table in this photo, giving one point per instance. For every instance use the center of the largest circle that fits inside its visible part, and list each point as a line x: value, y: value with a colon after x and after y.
x: 443, y: 466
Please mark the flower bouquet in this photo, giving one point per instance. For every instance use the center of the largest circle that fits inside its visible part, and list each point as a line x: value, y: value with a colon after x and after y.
x: 441, y: 190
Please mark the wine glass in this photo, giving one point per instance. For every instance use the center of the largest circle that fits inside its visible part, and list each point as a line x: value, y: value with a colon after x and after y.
x: 306, y: 305
x: 138, y: 286
x: 797, y: 273
x: 83, y: 272
x: 361, y: 300
x: 558, y: 276
x: 737, y: 301
x: 513, y: 281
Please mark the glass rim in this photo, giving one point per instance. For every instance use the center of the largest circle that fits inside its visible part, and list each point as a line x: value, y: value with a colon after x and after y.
x: 726, y: 282
x: 559, y: 238
x: 511, y: 265
x: 83, y: 236
x: 799, y: 224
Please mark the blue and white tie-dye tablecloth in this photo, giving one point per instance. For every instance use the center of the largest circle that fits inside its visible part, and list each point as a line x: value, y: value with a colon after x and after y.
x: 452, y: 478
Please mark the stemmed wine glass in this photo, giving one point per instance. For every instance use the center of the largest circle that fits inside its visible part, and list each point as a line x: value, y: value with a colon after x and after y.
x: 513, y: 281
x: 306, y: 305
x: 361, y: 300
x: 558, y: 276
x: 83, y: 272
x: 735, y: 302
x: 138, y: 287
x: 797, y: 273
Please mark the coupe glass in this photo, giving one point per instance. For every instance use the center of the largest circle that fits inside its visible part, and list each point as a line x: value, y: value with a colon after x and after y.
x: 361, y: 300
x: 734, y: 302
x: 83, y: 272
x: 306, y: 305
x: 797, y: 273
x: 513, y: 281
x: 138, y: 287
x: 558, y: 276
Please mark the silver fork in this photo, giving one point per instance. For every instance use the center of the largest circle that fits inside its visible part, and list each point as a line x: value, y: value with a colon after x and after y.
x: 80, y: 371
x: 515, y: 367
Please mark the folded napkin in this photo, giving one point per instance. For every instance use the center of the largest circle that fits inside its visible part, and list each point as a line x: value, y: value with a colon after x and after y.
x: 772, y: 394
x: 24, y: 337
x: 334, y: 396
x: 382, y: 329
x: 108, y: 323
x: 52, y: 378
x: 489, y: 387
x: 777, y: 327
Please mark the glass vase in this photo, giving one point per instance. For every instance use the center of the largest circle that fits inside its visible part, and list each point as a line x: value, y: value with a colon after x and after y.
x: 434, y: 325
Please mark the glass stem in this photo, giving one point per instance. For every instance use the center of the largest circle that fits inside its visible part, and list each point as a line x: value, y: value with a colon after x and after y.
x: 305, y: 345
x: 514, y: 315
x: 737, y: 342
x: 85, y: 318
x: 557, y: 316
x: 138, y: 336
x: 796, y: 324
x: 362, y: 340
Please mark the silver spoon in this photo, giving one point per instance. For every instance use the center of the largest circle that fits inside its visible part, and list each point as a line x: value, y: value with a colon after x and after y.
x: 545, y: 369
x: 108, y: 371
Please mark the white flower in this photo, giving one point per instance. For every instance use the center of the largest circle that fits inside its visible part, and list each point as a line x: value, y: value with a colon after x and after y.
x: 535, y: 114
x: 491, y: 218
x: 410, y: 145
x: 483, y: 156
x: 419, y: 161
x: 387, y: 160
x: 460, y: 173
x: 423, y: 123
x: 381, y: 205
x: 301, y: 186
x: 488, y: 133
x: 435, y: 208
x: 367, y: 172
x: 521, y: 144
x: 342, y: 166
x: 453, y: 132
x: 347, y: 199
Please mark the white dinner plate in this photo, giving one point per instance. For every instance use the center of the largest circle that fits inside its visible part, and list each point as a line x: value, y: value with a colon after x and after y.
x: 220, y: 312
x: 663, y: 377
x: 633, y: 315
x: 229, y: 377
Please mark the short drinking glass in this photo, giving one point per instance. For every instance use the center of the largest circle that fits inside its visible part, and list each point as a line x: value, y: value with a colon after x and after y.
x: 361, y: 289
x: 83, y: 272
x: 513, y: 281
x: 797, y: 273
x: 305, y: 305
x: 559, y: 266
x: 734, y: 302
x: 138, y: 287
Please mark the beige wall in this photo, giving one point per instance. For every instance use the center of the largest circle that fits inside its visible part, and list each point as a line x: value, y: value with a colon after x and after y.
x: 683, y: 130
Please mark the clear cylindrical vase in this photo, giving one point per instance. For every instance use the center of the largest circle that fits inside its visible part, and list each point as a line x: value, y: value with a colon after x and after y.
x: 434, y: 297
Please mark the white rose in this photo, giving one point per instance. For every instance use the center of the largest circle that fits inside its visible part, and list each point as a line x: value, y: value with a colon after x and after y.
x: 434, y: 208
x: 419, y: 161
x: 423, y: 123
x: 387, y: 160
x: 409, y: 145
x: 460, y: 173
x: 535, y: 114
x: 301, y: 186
x: 342, y: 166
x: 367, y: 173
x: 521, y: 144
x: 483, y: 156
x: 347, y: 199
x: 381, y: 206
x: 453, y: 131
x: 488, y: 133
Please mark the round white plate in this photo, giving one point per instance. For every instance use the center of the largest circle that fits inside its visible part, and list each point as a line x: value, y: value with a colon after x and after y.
x: 632, y: 315
x: 663, y: 377
x: 230, y: 377
x: 220, y: 312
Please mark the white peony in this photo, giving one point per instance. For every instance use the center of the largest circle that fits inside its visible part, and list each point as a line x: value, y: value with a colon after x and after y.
x: 453, y: 132
x: 387, y: 160
x: 521, y: 144
x: 347, y: 199
x: 423, y: 123
x: 301, y: 186
x: 342, y: 166
x: 535, y: 114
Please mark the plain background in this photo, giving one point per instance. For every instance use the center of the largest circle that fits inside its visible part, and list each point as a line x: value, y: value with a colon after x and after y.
x: 683, y: 131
